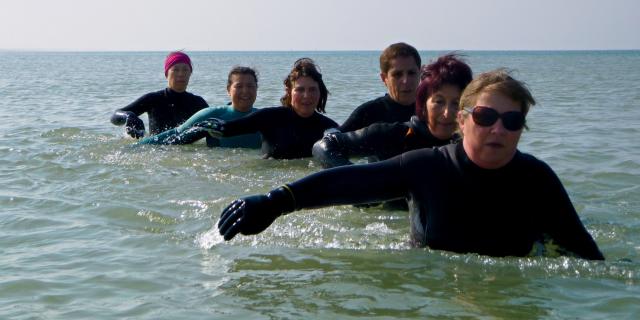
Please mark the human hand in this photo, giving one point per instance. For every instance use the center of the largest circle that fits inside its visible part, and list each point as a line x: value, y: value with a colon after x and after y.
x: 249, y: 215
x: 212, y: 126
x: 134, y: 126
x: 253, y: 214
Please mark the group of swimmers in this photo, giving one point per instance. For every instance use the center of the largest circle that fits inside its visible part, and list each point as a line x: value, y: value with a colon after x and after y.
x: 439, y: 140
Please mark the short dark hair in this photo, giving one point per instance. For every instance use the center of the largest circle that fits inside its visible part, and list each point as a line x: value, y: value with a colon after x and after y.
x: 305, y: 67
x: 395, y: 50
x: 447, y: 69
x: 241, y: 70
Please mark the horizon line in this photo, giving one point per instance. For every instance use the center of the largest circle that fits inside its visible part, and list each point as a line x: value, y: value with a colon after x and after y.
x: 302, y: 50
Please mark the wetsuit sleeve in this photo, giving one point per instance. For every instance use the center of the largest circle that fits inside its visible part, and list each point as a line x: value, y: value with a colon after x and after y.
x: 139, y: 106
x: 186, y: 133
x: 366, y: 183
x: 334, y: 149
x: 202, y: 103
x: 254, y: 122
x: 565, y: 227
x: 344, y: 185
x: 200, y: 116
x: 355, y: 120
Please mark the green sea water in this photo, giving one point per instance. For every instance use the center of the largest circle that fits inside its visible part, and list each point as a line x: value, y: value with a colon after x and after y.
x: 93, y: 228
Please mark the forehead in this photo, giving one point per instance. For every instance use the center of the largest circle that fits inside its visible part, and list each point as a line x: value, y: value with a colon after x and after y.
x: 180, y: 65
x: 448, y: 90
x: 403, y: 63
x: 242, y: 77
x: 305, y: 82
x: 498, y: 101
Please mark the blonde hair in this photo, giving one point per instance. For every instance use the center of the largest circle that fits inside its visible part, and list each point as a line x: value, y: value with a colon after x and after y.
x: 498, y: 81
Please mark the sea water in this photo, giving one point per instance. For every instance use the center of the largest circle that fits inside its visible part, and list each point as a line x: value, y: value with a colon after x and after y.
x: 93, y: 228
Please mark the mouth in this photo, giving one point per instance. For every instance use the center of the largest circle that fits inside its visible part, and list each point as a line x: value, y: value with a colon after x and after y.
x: 495, y: 145
x: 447, y: 124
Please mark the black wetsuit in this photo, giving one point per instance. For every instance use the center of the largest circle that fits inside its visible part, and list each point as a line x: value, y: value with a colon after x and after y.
x: 380, y: 140
x: 166, y: 108
x: 458, y: 206
x: 383, y: 109
x: 285, y: 135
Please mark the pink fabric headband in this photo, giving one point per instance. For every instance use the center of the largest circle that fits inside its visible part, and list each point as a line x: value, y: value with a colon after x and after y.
x: 175, y: 58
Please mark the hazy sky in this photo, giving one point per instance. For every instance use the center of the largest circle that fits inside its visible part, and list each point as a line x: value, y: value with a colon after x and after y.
x: 318, y: 25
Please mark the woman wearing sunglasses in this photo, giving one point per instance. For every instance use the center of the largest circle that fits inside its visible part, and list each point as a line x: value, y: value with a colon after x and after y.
x: 479, y: 196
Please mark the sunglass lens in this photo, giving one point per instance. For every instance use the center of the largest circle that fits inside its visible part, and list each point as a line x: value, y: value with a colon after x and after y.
x: 513, y: 120
x: 484, y: 116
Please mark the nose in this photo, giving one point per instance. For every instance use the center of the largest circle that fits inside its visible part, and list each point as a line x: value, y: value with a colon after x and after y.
x: 498, y: 127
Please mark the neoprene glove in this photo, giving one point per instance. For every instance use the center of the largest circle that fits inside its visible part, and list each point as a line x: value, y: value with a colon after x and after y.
x: 134, y: 127
x: 329, y: 151
x: 253, y: 214
x: 212, y: 126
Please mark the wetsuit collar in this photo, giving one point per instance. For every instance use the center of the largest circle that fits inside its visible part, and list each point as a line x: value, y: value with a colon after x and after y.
x: 388, y: 97
x: 169, y: 92
x: 467, y: 165
x: 420, y: 128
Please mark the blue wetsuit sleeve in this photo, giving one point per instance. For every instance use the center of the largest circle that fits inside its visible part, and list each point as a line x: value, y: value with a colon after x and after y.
x: 366, y: 183
x: 185, y: 133
x: 199, y: 116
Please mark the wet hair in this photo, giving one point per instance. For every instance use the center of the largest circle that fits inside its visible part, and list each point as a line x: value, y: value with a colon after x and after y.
x: 305, y: 67
x: 447, y: 69
x: 395, y: 50
x: 497, y: 81
x: 241, y: 70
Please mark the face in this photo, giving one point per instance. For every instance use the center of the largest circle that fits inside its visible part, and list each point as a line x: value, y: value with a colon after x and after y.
x: 442, y: 107
x: 242, y: 91
x: 178, y: 77
x: 494, y: 146
x: 305, y: 96
x: 402, y: 80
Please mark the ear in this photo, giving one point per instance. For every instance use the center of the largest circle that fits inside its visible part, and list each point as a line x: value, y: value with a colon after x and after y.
x: 460, y: 118
x: 383, y: 77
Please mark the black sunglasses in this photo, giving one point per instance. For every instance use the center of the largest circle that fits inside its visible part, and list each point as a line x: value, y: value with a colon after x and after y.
x: 486, y: 117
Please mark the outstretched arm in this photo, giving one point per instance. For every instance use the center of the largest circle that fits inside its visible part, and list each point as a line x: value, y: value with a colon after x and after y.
x: 190, y: 131
x: 565, y: 227
x: 337, y: 186
x: 133, y: 125
x: 335, y: 148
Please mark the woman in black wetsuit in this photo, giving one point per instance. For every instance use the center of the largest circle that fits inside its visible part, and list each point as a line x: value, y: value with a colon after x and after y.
x: 166, y: 108
x: 287, y: 132
x: 478, y: 196
x: 433, y: 125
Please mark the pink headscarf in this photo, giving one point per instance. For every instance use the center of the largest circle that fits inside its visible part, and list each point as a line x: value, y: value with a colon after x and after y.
x: 175, y: 58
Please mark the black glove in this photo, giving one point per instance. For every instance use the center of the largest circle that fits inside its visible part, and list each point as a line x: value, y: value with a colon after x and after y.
x: 253, y: 214
x: 212, y: 126
x: 134, y: 127
x: 330, y: 151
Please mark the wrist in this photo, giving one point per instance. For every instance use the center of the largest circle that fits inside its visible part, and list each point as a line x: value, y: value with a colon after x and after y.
x: 283, y: 198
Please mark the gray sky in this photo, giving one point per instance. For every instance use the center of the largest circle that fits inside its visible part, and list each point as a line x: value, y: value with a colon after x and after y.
x: 115, y: 25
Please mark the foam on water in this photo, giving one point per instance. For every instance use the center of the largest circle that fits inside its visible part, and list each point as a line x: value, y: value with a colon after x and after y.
x: 93, y: 227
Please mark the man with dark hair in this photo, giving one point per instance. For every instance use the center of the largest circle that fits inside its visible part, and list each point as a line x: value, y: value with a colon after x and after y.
x: 400, y: 72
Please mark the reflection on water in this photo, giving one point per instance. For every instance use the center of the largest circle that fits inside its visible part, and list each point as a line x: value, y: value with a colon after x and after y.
x: 94, y: 227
